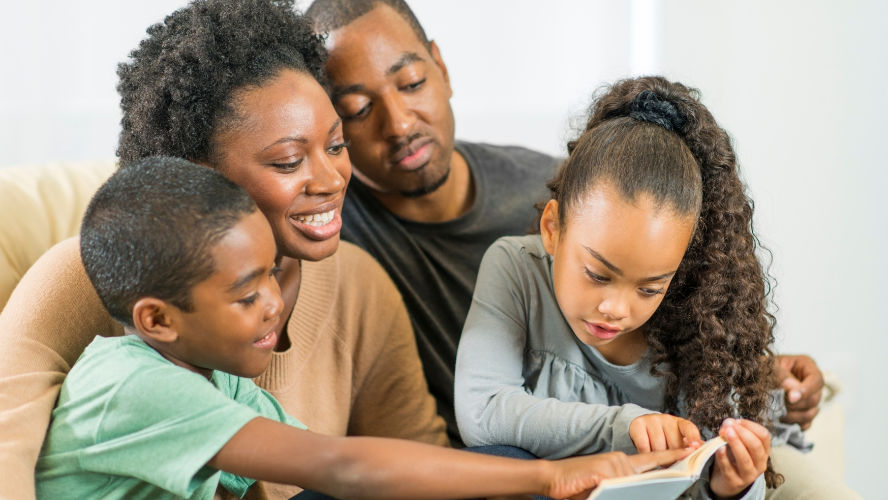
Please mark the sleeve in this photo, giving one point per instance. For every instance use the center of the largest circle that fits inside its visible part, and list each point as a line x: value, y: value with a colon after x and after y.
x: 171, y: 419
x: 392, y: 398
x: 51, y: 317
x: 493, y: 407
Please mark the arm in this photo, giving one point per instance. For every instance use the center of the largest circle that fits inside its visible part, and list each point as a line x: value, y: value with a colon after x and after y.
x: 802, y: 381
x: 492, y: 404
x: 50, y: 318
x: 363, y: 467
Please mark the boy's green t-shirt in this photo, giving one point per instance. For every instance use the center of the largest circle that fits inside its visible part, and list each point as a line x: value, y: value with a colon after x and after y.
x: 130, y: 424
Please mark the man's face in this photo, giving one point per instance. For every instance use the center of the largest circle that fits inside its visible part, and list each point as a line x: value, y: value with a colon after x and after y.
x: 393, y: 95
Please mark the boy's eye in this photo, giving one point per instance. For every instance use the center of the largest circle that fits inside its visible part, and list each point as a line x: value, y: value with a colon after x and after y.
x: 597, y: 278
x: 249, y: 300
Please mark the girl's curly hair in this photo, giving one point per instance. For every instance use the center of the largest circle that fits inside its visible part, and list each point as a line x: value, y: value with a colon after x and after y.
x: 178, y: 89
x: 710, y: 337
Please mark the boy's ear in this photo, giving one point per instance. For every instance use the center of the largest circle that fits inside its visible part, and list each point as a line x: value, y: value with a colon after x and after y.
x: 549, y: 229
x: 154, y: 318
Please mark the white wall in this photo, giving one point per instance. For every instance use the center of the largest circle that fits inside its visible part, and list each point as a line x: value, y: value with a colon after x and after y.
x: 798, y: 85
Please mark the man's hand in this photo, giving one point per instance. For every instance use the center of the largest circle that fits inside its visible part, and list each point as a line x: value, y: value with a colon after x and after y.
x: 801, y: 379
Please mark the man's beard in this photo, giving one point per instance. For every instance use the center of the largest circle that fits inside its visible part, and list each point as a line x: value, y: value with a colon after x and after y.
x: 428, y: 188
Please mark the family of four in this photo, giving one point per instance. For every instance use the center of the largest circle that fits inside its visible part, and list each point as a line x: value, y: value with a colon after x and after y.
x: 627, y: 327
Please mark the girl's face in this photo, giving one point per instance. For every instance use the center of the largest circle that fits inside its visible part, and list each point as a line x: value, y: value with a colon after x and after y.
x: 288, y: 152
x: 612, y: 264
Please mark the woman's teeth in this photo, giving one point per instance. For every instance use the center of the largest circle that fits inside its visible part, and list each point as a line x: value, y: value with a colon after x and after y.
x: 316, y: 219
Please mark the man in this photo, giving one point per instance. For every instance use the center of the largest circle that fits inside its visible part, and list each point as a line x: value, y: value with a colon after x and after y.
x: 426, y: 206
x: 423, y: 205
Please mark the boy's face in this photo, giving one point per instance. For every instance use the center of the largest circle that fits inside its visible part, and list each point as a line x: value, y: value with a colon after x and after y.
x: 231, y: 325
x: 612, y: 264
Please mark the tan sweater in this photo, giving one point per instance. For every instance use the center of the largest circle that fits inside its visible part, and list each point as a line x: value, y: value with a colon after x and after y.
x: 352, y: 367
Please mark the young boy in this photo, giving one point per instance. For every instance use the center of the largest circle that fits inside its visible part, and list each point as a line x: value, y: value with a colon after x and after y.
x: 183, y: 258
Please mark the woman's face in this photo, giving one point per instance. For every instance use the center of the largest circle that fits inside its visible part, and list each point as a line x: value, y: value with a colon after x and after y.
x: 287, y: 150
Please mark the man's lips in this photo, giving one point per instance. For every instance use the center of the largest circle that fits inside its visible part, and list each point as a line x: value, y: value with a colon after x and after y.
x: 413, y: 155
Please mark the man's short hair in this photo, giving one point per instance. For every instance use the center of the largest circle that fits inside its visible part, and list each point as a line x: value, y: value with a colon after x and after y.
x: 149, y: 230
x: 330, y: 15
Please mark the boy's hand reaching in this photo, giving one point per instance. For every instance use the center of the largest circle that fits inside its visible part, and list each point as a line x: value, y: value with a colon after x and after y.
x: 576, y: 477
x: 659, y: 431
x: 744, y: 459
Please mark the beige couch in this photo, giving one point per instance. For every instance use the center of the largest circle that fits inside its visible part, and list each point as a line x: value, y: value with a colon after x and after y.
x: 43, y: 204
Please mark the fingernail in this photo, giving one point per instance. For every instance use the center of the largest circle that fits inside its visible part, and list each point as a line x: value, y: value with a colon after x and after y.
x: 728, y: 422
x: 794, y: 396
x: 731, y: 432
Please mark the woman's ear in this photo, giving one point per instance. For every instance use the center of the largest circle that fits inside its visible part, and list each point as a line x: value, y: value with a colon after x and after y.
x: 549, y: 228
x: 154, y: 318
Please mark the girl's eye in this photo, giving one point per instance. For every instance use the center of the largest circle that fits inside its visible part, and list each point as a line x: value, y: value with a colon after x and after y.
x: 650, y: 292
x: 410, y: 87
x: 290, y: 166
x: 275, y: 271
x: 336, y: 149
x: 597, y: 278
x: 249, y: 300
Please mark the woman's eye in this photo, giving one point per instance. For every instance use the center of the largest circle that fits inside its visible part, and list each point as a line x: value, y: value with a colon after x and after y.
x: 287, y: 165
x: 650, y: 292
x: 337, y: 148
x: 597, y: 278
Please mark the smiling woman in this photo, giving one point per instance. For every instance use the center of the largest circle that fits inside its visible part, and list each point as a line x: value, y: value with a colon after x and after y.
x: 237, y: 86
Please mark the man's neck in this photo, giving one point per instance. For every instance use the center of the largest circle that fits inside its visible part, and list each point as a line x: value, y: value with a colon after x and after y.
x: 451, y: 200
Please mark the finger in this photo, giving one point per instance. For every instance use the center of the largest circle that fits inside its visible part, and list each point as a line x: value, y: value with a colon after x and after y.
x: 724, y: 467
x: 806, y: 402
x: 756, y: 448
x: 640, y: 438
x: 792, y: 389
x: 690, y: 432
x: 734, y: 434
x: 647, y: 461
x: 657, y: 438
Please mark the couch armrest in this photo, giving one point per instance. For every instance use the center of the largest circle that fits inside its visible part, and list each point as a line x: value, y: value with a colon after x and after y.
x: 41, y: 205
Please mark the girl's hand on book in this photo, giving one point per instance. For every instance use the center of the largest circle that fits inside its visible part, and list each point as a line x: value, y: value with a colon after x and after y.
x: 658, y: 431
x: 744, y: 459
x: 576, y: 477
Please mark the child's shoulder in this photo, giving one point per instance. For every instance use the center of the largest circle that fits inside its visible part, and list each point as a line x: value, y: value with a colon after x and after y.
x: 528, y: 244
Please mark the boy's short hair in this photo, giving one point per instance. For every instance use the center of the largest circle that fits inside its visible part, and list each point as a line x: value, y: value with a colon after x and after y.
x: 149, y: 229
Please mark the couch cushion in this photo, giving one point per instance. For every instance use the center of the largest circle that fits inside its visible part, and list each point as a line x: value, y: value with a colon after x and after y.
x: 41, y: 205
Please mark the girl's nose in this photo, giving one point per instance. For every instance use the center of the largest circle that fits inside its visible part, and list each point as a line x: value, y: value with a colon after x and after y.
x: 614, y: 307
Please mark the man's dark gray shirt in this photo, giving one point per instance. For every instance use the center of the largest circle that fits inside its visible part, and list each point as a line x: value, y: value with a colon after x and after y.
x: 434, y: 265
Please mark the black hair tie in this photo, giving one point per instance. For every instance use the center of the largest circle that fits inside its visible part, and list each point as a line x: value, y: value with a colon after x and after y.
x: 647, y: 107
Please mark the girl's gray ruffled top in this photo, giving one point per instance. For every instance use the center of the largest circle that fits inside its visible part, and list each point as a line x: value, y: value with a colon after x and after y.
x: 524, y: 379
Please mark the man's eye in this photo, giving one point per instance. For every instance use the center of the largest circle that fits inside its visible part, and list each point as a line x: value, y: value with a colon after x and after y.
x: 415, y: 85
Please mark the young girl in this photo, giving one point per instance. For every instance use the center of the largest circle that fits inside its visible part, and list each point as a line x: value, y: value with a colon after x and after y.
x: 573, y: 345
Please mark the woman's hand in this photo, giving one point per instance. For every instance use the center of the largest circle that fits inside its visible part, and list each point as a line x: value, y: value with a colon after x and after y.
x: 576, y: 477
x: 659, y: 431
x: 744, y: 459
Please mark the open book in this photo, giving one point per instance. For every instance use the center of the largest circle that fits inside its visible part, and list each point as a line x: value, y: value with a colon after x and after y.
x: 660, y: 484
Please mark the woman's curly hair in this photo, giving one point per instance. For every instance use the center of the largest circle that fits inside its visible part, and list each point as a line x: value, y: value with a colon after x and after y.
x: 710, y: 337
x: 178, y: 89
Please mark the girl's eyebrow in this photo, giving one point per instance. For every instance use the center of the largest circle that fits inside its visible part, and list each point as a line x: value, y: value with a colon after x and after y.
x: 604, y: 261
x: 619, y: 272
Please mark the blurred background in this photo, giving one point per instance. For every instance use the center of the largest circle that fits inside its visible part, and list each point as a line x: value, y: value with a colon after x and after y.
x: 798, y: 84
